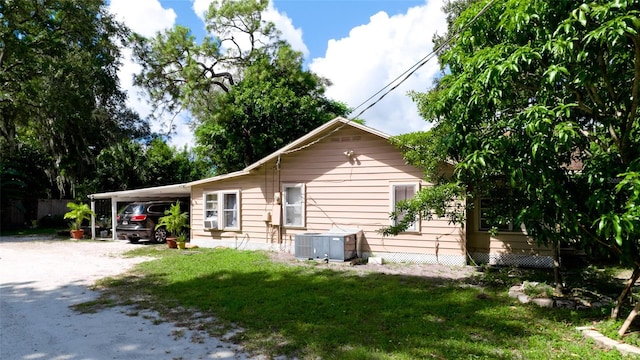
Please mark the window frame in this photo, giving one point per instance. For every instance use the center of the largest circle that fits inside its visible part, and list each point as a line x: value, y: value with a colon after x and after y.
x: 221, y: 211
x: 224, y: 210
x: 508, y: 228
x: 416, y: 228
x: 215, y: 209
x: 302, y: 205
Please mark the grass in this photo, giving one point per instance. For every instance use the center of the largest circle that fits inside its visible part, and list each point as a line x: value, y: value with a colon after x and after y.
x: 610, y: 329
x: 310, y: 312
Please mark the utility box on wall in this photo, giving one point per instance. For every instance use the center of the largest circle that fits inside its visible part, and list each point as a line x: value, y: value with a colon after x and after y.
x: 334, y: 247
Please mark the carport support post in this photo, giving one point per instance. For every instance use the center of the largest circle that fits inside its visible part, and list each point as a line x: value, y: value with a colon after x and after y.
x: 114, y: 217
x: 93, y: 217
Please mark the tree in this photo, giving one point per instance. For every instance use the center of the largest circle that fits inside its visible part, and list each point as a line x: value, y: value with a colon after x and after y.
x: 245, y: 88
x: 131, y: 164
x: 275, y: 102
x: 180, y: 74
x: 122, y: 166
x: 537, y: 109
x: 169, y: 165
x: 58, y: 63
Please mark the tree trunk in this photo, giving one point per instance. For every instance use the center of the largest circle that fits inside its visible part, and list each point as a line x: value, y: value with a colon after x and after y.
x: 556, y: 268
x: 629, y: 320
x: 627, y: 289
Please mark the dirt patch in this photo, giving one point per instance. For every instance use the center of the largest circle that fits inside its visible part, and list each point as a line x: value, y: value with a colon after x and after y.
x: 435, y: 271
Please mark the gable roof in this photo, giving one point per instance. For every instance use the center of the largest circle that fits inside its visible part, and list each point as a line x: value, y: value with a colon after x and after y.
x: 310, y: 139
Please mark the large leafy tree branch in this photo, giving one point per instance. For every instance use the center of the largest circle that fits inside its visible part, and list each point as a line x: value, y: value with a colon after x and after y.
x: 244, y: 87
x: 537, y: 109
x: 178, y: 73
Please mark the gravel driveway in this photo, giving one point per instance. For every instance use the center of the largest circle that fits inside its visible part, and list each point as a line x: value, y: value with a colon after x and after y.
x: 40, y: 279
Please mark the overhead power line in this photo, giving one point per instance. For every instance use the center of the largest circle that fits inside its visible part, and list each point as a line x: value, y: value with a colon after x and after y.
x: 407, y: 74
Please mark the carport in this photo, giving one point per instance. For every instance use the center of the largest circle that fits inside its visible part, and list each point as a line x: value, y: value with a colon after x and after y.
x: 146, y: 194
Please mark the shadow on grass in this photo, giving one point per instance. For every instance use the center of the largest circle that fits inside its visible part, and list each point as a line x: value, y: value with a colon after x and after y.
x: 313, y: 313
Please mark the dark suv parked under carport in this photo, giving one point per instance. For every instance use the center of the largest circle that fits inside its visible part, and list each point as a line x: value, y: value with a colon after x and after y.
x: 138, y: 221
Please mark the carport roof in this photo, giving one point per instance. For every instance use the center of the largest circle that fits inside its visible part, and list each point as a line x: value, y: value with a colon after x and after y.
x: 167, y: 191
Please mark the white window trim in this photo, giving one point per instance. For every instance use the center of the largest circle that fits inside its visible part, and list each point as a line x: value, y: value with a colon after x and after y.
x: 303, y: 205
x: 392, y: 190
x: 237, y: 210
x: 204, y: 210
x: 221, y: 223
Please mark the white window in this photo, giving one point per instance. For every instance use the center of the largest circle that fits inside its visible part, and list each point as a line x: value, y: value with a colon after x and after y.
x: 485, y: 224
x: 401, y: 192
x: 293, y: 205
x: 222, y: 210
x: 211, y: 210
x: 230, y: 213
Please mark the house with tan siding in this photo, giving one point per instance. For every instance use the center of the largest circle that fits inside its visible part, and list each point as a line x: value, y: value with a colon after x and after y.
x: 342, y: 178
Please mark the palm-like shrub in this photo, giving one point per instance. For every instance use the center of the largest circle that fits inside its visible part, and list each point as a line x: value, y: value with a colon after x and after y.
x: 174, y: 220
x: 78, y: 213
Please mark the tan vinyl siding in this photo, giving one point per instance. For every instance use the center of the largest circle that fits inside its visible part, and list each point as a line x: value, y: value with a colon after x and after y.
x: 252, y: 208
x: 505, y: 242
x: 339, y: 192
x: 342, y: 176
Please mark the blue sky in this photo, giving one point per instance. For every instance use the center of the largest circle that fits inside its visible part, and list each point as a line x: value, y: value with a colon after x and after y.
x: 360, y: 45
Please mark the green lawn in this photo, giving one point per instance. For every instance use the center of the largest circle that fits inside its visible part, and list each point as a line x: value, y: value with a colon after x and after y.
x: 310, y: 312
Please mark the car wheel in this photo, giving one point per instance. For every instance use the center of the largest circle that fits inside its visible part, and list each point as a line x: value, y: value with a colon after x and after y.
x: 160, y: 235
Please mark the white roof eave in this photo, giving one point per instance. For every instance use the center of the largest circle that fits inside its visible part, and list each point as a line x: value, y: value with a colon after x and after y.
x: 176, y: 190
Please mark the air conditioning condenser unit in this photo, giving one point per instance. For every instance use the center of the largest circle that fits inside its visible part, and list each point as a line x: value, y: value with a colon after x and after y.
x: 330, y: 246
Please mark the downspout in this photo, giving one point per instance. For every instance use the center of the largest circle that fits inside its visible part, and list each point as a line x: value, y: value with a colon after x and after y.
x: 281, y: 200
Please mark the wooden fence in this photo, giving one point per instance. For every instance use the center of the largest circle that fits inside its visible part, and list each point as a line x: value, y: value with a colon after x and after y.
x: 23, y: 212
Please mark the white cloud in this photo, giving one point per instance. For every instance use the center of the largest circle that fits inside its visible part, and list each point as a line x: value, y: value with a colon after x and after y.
x: 290, y: 33
x: 146, y: 17
x: 374, y: 55
x: 200, y: 7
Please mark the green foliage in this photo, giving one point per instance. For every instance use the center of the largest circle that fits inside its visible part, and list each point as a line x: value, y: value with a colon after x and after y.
x: 535, y: 289
x: 131, y: 165
x: 624, y: 225
x: 60, y: 92
x: 174, y: 220
x: 537, y: 109
x: 430, y: 202
x: 426, y: 150
x: 275, y: 103
x: 170, y: 165
x: 245, y: 88
x: 179, y: 73
x: 182, y: 237
x: 78, y: 212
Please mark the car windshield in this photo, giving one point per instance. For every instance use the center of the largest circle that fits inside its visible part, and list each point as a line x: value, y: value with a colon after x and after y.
x: 133, y: 209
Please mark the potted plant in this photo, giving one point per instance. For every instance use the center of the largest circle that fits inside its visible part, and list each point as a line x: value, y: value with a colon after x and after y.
x: 175, y: 221
x: 78, y: 213
x: 181, y: 241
